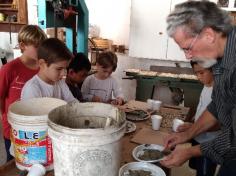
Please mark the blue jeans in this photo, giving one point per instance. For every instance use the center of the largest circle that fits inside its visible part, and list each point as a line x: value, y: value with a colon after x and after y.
x: 228, y: 169
x: 7, y: 147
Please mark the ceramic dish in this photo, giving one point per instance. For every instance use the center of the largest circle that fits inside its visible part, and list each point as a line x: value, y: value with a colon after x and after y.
x: 141, y: 166
x: 137, y: 115
x: 150, y: 153
x: 130, y: 127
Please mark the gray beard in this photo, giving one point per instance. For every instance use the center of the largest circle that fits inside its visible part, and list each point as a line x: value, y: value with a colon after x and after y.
x: 205, y: 63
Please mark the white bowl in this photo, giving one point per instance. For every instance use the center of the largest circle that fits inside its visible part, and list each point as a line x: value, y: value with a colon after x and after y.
x: 139, y: 150
x: 155, y: 170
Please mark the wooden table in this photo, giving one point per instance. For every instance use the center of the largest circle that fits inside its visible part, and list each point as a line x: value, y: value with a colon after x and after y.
x: 9, y: 169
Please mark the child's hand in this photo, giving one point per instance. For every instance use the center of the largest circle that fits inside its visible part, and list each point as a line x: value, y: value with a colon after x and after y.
x: 184, y: 127
x: 96, y: 99
x: 117, y: 101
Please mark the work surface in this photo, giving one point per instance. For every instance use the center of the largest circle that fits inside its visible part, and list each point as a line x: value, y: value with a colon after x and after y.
x: 10, y: 169
x: 129, y: 142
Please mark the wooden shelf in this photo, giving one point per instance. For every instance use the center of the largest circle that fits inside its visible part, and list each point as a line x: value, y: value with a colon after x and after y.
x: 20, y: 13
x: 15, y: 27
x: 8, y: 9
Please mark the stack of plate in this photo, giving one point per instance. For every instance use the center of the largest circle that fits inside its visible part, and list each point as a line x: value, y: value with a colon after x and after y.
x: 144, y: 166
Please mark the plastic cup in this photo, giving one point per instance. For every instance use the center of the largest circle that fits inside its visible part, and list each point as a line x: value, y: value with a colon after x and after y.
x: 150, y: 103
x: 156, y: 122
x: 37, y: 170
x: 176, y: 124
x: 156, y: 105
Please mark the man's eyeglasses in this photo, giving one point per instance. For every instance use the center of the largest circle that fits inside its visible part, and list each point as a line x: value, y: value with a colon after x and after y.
x: 189, y: 48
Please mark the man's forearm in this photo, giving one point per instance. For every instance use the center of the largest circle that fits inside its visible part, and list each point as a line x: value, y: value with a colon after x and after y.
x: 195, y: 151
x: 203, y: 124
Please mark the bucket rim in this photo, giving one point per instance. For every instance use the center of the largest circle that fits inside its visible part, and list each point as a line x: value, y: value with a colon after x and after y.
x: 78, y: 131
x: 16, y: 115
x: 84, y: 131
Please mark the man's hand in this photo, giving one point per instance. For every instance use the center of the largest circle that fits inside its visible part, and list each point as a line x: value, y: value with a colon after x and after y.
x: 175, y: 138
x: 180, y: 156
x: 184, y: 127
x: 205, y: 122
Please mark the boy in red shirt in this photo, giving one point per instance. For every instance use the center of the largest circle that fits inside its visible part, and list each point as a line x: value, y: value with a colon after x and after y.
x: 16, y: 73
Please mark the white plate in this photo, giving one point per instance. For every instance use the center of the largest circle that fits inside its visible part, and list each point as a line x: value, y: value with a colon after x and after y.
x: 130, y: 127
x: 155, y: 170
x: 139, y: 150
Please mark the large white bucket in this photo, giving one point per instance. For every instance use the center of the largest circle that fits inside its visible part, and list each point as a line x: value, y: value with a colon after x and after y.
x: 86, y: 139
x: 28, y: 119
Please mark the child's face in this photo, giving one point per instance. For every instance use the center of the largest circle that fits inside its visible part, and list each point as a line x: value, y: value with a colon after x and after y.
x: 78, y: 77
x: 204, y: 75
x: 104, y: 73
x: 29, y: 51
x: 54, y: 72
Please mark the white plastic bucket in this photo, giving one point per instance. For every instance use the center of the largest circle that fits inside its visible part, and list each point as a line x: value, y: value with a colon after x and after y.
x: 28, y: 119
x: 86, y: 149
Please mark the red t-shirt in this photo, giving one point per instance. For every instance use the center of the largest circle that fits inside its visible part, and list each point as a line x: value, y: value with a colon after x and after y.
x: 13, y: 76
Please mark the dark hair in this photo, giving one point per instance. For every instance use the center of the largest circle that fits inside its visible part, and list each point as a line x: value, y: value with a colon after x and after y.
x: 53, y: 50
x: 107, y: 59
x: 192, y: 63
x: 79, y: 62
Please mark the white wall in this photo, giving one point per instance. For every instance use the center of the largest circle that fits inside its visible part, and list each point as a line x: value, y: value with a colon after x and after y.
x: 113, y: 18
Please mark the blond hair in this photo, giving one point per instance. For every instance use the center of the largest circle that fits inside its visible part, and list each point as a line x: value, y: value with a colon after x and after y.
x: 31, y: 35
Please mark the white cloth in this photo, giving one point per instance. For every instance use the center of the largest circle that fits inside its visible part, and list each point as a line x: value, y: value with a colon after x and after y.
x: 205, y: 99
x: 101, y: 88
x: 36, y: 87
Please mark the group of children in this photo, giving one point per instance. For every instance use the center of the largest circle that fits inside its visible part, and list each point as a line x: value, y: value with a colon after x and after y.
x: 47, y: 68
x: 43, y: 65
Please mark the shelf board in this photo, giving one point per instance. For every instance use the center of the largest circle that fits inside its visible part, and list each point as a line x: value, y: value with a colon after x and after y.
x: 15, y: 27
x: 8, y: 9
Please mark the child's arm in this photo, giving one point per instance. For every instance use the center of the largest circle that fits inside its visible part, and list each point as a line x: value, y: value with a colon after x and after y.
x: 1, y: 100
x: 67, y: 95
x: 96, y: 99
x: 118, y: 93
x: 85, y: 90
x: 5, y: 80
x: 117, y: 101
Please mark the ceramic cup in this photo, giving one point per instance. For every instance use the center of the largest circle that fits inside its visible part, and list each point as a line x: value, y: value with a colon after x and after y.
x: 156, y: 122
x: 150, y: 103
x: 176, y: 124
x: 156, y: 105
x: 37, y: 170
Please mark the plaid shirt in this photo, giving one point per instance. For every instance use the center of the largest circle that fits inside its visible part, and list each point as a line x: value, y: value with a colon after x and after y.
x: 223, y: 105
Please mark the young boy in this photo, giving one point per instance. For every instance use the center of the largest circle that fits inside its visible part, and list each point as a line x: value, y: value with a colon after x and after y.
x: 100, y: 86
x: 76, y: 73
x: 14, y: 74
x: 202, y: 165
x: 53, y: 58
